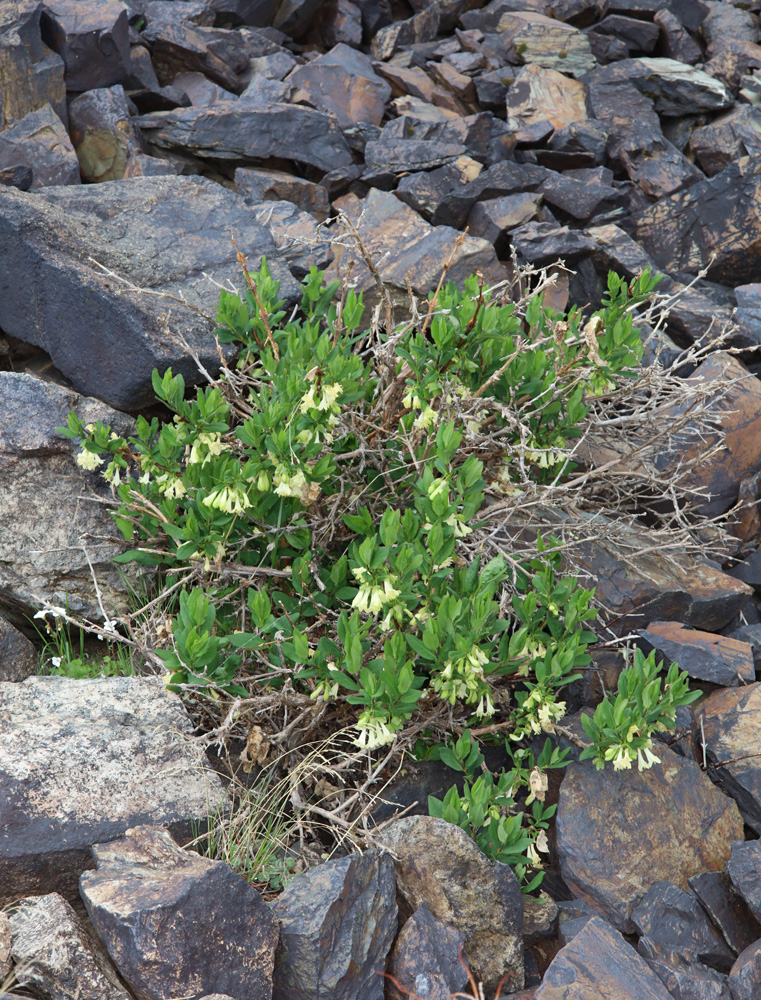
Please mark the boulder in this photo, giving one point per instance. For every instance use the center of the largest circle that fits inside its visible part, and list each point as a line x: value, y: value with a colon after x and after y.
x: 40, y: 141
x: 427, y: 190
x: 618, y: 833
x: 177, y: 924
x: 745, y: 974
x: 423, y: 27
x: 297, y: 236
x: 426, y: 959
x: 275, y: 185
x: 180, y: 47
x: 544, y: 95
x: 343, y: 83
x: 92, y: 38
x: 675, y: 88
x: 100, y: 756
x: 169, y: 235
x: 729, y: 137
x: 31, y: 74
x: 689, y: 980
x: 18, y: 656
x: 103, y: 133
x: 704, y: 655
x: 726, y: 908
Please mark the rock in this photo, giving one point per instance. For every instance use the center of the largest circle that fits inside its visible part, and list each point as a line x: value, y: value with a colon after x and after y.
x: 725, y: 21
x: 726, y: 908
x: 343, y: 83
x: 427, y: 190
x: 407, y: 247
x: 535, y: 40
x: 100, y: 755
x: 232, y: 131
x: 103, y: 133
x: 340, y: 22
x: 17, y: 176
x: 743, y: 868
x: 201, y: 91
x: 620, y: 833
x: 704, y: 655
x: 438, y: 864
x: 688, y: 980
x: 6, y: 960
x: 141, y: 165
x: 494, y: 218
x: 337, y: 925
x: 745, y: 975
x: 18, y: 657
x: 731, y: 720
x: 597, y: 965
x: 675, y: 88
x: 545, y: 242
x: 274, y: 185
x: 160, y: 233
x: 175, y: 923
x: 544, y: 95
x: 92, y: 38
x: 677, y: 928
x: 752, y: 635
x: 180, y: 47
x: 712, y: 225
x: 54, y: 954
x: 40, y: 141
x: 50, y: 506
x: 655, y: 164
x: 31, y: 75
x: 580, y: 196
x: 729, y: 137
x: 676, y: 41
x: 498, y: 180
x: 297, y: 236
x: 423, y: 27
x: 426, y: 959
x: 540, y: 918
x: 638, y: 36
x: 295, y: 17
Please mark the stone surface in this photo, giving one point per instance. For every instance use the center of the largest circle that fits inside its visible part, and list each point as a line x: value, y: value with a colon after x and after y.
x: 423, y: 27
x: 426, y: 959
x: 297, y: 236
x: 731, y: 723
x: 427, y: 190
x: 176, y: 923
x: 675, y: 88
x: 180, y: 47
x: 40, y: 141
x: 343, y: 82
x: 745, y: 975
x: 18, y: 657
x: 726, y: 908
x: 497, y: 181
x: 494, y: 218
x: 704, y: 655
x: 337, y: 924
x: 438, y: 864
x: 92, y: 38
x: 545, y: 242
x: 618, y: 833
x: 18, y: 176
x: 540, y: 95
x: 54, y: 954
x: 275, y: 185
x: 743, y: 868
x: 103, y: 134
x: 232, y: 131
x: 599, y: 965
x: 686, y: 980
x: 6, y: 937
x: 31, y: 74
x: 160, y: 233
x: 100, y: 756
x: 729, y: 137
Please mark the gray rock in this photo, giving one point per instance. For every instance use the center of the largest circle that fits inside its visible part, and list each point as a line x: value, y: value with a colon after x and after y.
x: 40, y: 141
x: 423, y: 27
x: 275, y: 185
x: 675, y: 88
x: 6, y: 937
x: 426, y: 959
x: 18, y: 657
x: 99, y: 756
x: 685, y: 980
x: 54, y: 954
x: 297, y: 236
x: 51, y: 510
x: 731, y: 726
x: 337, y: 925
x: 180, y: 47
x: 744, y: 868
x: 160, y: 233
x: 704, y: 655
x: 31, y: 75
x: 343, y: 83
x: 618, y: 833
x: 92, y: 38
x: 18, y: 176
x: 103, y: 133
x: 726, y: 908
x: 437, y: 863
x: 729, y: 137
x: 745, y: 975
x: 175, y: 923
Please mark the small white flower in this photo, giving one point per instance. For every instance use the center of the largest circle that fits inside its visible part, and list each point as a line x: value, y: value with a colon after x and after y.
x: 645, y: 762
x: 89, y: 460
x: 56, y: 660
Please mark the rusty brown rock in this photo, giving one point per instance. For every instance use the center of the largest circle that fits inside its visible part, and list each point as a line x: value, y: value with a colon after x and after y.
x: 40, y: 141
x: 92, y: 38
x: 175, y: 923
x: 729, y: 137
x: 494, y: 218
x: 618, y: 833
x: 426, y: 959
x: 598, y: 964
x: 704, y: 655
x: 275, y: 185
x: 18, y: 659
x: 437, y: 863
x: 423, y: 27
x: 540, y: 95
x: 103, y: 133
x: 343, y: 82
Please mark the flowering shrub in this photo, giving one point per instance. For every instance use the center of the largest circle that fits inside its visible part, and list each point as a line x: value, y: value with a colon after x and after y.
x: 314, y: 509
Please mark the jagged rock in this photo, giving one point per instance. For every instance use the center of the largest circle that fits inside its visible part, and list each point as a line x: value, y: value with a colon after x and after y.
x: 40, y: 141
x: 752, y: 635
x: 423, y: 27
x: 142, y: 165
x: 413, y: 81
x: 704, y: 655
x: 540, y: 918
x: 713, y: 224
x: 45, y: 516
x: 176, y: 923
x: 731, y: 721
x: 675, y: 88
x: 160, y: 233
x: 745, y: 974
x: 599, y: 965
x: 54, y: 954
x: 92, y: 38
x: 544, y: 95
x: 638, y: 36
x: 340, y: 22
x: 296, y: 235
x: 495, y: 182
x: 234, y: 131
x: 687, y: 980
x: 726, y: 908
x: 655, y: 164
x: 201, y: 91
x: 578, y: 145
x: 676, y: 41
x: 31, y: 75
x: 581, y: 194
x: 427, y: 190
x: 274, y: 185
x: 18, y: 657
x: 17, y: 176
x: 426, y: 959
x: 180, y: 47
x: 103, y: 133
x: 535, y: 40
x: 743, y: 868
x: 725, y: 21
x: 677, y: 929
x: 545, y: 242
x: 342, y: 82
x: 494, y: 218
x: 100, y: 755
x: 729, y: 137
x: 6, y: 959
x: 337, y: 925
x: 620, y: 833
x: 438, y: 864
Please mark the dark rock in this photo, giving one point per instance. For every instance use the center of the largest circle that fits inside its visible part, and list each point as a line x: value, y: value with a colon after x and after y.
x: 201, y: 91
x: 340, y: 22
x: 752, y: 635
x: 427, y: 190
x: 749, y: 570
x: 721, y: 219
x: 542, y: 243
x: 725, y: 21
x: 730, y: 724
x: 262, y: 93
x: 141, y: 165
x: 745, y: 975
x: 92, y: 38
x: 296, y: 235
x: 295, y: 17
x: 638, y: 36
x: 577, y: 146
x: 40, y: 142
x: 686, y: 980
x: 423, y: 27
x: 274, y: 185
x: 726, y: 908
x: 438, y: 864
x: 570, y: 928
x: 540, y: 918
x: 6, y: 960
x: 103, y: 133
x: 606, y: 48
x: 677, y: 928
x: 18, y: 657
x: 655, y: 164
x: 494, y: 218
x: 544, y: 95
x: 743, y: 868
x: 620, y: 833
x: 621, y: 111
x: 31, y: 75
x: 579, y: 197
x: 426, y: 959
x: 233, y: 131
x: 18, y: 176
x: 704, y: 655
x: 160, y: 233
x: 495, y: 182
x: 109, y: 757
x: 675, y: 88
x: 342, y: 82
x: 175, y: 923
x: 676, y: 42
x: 337, y: 924
x: 598, y: 964
x: 180, y: 47
x: 729, y: 137
x: 617, y: 251
x: 54, y: 954
x: 491, y: 89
